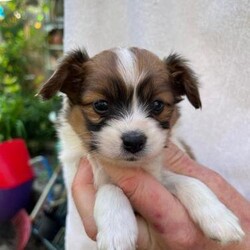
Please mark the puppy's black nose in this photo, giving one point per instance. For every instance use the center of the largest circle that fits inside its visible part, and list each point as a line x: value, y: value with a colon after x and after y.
x: 134, y: 141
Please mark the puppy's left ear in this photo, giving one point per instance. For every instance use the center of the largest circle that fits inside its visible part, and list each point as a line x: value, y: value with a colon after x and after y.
x: 68, y: 77
x: 183, y: 79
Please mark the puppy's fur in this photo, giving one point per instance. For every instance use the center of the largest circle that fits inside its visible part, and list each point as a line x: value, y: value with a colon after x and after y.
x: 120, y: 108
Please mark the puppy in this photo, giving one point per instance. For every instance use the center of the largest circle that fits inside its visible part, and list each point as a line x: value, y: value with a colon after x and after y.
x: 120, y: 109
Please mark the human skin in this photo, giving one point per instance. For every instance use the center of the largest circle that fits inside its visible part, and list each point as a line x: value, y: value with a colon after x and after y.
x: 162, y: 220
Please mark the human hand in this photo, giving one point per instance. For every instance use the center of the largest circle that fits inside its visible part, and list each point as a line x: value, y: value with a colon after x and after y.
x: 162, y: 220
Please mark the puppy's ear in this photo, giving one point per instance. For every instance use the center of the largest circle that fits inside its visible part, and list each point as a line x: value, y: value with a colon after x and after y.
x: 68, y: 78
x: 183, y: 79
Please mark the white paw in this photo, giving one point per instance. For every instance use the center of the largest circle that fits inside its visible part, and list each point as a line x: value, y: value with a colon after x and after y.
x: 114, y: 240
x: 220, y: 224
x: 115, y: 219
x: 214, y: 218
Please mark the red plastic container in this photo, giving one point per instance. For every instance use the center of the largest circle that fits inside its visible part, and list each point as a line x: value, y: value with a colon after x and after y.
x: 14, y: 164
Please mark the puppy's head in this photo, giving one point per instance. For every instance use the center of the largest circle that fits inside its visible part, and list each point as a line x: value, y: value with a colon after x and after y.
x: 122, y: 102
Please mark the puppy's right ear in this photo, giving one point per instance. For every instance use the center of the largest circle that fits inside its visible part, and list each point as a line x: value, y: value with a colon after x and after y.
x: 183, y: 79
x: 68, y: 78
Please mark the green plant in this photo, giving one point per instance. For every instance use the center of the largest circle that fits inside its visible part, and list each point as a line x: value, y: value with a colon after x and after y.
x: 28, y: 118
x: 22, y: 71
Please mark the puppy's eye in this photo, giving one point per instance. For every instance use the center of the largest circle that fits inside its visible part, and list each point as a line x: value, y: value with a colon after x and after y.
x: 101, y: 106
x: 157, y: 107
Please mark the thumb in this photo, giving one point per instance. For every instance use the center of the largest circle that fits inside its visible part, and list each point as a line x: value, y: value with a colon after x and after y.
x: 129, y: 179
x: 177, y: 160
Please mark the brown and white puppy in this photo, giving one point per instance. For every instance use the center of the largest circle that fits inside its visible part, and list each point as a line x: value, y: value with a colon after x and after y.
x: 120, y: 108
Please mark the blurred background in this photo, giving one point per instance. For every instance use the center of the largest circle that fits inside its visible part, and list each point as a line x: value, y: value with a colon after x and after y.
x: 34, y: 34
x: 31, y: 41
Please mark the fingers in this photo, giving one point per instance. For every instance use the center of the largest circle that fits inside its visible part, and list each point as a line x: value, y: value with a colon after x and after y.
x: 154, y: 203
x: 83, y: 192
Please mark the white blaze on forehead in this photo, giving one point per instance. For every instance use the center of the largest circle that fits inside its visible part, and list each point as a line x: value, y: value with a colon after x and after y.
x: 127, y: 65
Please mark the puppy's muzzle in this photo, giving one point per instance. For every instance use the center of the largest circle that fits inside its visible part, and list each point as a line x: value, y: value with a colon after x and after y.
x: 134, y: 141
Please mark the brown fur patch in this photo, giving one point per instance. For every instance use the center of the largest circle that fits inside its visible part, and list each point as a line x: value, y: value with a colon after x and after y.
x: 78, y: 123
x: 68, y: 78
x: 103, y: 79
x: 183, y: 79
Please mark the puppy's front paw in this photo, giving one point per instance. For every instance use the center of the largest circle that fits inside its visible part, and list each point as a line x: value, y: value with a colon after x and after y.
x: 116, y: 240
x: 214, y: 218
x: 115, y: 219
x: 220, y: 224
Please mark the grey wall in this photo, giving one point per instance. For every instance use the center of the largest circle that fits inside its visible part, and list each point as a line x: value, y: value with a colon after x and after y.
x: 215, y: 36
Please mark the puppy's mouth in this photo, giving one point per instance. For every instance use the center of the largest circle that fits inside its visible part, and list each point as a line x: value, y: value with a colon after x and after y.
x: 123, y: 156
x: 132, y: 158
x: 126, y: 158
x: 129, y: 157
